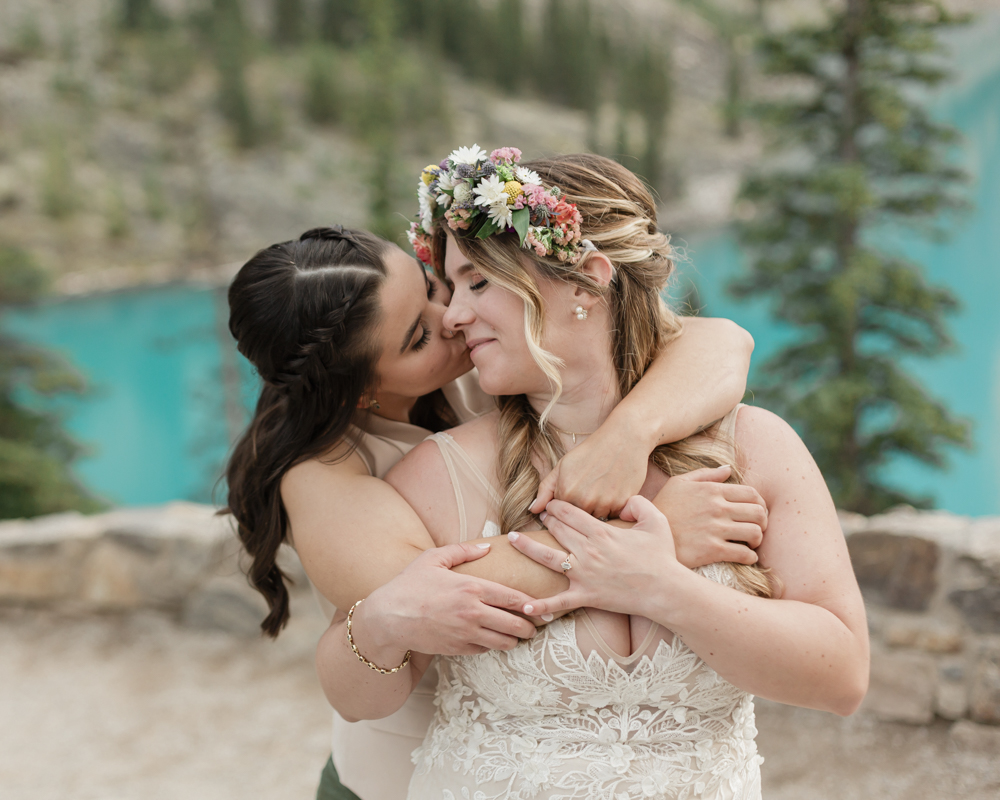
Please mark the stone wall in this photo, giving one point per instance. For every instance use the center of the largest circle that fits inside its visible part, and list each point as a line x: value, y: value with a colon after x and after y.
x: 179, y: 558
x: 931, y: 582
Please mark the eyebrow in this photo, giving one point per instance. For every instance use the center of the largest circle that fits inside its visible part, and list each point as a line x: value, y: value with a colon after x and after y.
x: 462, y: 270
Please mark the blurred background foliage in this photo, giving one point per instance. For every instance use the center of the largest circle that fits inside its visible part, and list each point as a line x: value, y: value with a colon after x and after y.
x: 35, y: 451
x: 154, y: 138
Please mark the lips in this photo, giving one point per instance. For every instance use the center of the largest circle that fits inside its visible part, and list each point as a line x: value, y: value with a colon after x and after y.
x: 475, y: 345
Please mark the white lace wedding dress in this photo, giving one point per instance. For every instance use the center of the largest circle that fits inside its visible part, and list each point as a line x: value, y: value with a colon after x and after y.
x: 563, y: 716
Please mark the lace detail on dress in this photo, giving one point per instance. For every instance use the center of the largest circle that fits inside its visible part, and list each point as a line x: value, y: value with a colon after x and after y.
x: 543, y: 721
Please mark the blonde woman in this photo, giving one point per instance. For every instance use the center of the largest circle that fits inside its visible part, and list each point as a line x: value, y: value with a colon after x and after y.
x: 646, y: 692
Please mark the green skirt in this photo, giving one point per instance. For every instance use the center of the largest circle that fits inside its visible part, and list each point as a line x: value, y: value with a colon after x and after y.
x: 330, y: 787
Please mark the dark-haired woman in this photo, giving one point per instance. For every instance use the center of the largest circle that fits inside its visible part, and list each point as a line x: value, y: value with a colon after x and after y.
x: 346, y: 332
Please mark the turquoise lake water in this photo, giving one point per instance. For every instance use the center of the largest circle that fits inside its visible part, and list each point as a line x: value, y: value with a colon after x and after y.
x: 157, y: 420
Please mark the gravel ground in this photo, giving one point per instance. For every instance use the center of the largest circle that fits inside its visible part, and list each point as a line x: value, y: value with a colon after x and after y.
x: 115, y: 708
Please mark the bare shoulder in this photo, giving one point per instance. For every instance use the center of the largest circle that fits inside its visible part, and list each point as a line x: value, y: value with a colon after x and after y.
x: 756, y: 426
x: 302, y: 482
x: 478, y: 438
x: 771, y: 453
x: 423, y: 480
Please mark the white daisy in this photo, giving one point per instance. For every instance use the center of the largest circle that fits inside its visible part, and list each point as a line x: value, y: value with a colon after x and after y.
x: 467, y: 155
x: 525, y: 175
x: 446, y: 182
x: 427, y: 206
x: 490, y: 192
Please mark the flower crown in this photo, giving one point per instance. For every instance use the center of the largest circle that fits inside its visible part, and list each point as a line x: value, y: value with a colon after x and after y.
x: 480, y: 196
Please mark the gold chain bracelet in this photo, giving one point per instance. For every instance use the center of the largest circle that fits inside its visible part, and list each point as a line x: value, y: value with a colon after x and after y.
x: 361, y: 658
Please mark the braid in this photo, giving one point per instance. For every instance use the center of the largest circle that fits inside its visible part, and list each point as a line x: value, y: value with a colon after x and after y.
x: 518, y: 477
x: 316, y: 348
x: 303, y: 313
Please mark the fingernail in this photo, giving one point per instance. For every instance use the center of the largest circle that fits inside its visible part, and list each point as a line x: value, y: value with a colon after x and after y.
x: 513, y: 536
x: 483, y: 546
x: 529, y: 608
x: 548, y: 617
x: 543, y: 516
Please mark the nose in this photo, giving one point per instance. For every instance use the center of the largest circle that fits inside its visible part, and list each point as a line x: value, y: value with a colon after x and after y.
x: 436, y: 313
x: 457, y: 315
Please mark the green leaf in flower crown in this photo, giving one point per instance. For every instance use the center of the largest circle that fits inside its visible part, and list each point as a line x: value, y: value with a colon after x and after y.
x: 488, y: 229
x: 521, y: 219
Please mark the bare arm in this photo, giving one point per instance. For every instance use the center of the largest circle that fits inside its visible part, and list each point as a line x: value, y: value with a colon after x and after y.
x: 697, y: 378
x: 808, y: 648
x: 357, y: 538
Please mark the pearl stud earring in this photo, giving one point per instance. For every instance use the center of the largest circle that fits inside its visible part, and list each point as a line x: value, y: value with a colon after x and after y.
x: 581, y: 312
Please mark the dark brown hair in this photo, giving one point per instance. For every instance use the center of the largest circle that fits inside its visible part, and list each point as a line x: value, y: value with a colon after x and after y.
x: 304, y: 314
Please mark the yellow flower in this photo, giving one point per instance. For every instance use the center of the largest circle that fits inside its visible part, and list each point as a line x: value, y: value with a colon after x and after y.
x: 428, y: 175
x: 513, y: 190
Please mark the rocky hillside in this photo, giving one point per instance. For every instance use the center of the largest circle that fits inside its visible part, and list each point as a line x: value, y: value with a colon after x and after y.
x: 117, y: 165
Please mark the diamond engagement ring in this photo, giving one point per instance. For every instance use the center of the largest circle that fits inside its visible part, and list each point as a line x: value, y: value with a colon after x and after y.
x: 566, y: 566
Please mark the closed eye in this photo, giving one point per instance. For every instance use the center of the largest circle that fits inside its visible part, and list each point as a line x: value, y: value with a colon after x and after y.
x: 423, y: 340
x: 476, y: 287
x: 432, y: 288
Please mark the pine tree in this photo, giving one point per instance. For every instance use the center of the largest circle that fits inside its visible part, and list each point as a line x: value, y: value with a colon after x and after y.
x: 512, y: 62
x: 858, y: 153
x: 35, y: 452
x: 138, y: 15
x: 340, y: 21
x: 569, y: 58
x: 733, y: 29
x: 381, y: 113
x: 652, y: 97
x: 322, y: 93
x: 232, y: 52
x: 288, y: 20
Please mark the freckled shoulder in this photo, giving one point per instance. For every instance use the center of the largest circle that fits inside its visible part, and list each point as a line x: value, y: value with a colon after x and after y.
x: 770, y: 451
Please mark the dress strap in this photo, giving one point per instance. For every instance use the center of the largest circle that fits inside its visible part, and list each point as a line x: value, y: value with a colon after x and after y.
x: 468, y: 481
x: 725, y: 436
x: 727, y: 425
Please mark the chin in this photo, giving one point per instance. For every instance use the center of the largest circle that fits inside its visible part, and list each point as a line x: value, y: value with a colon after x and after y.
x: 497, y: 386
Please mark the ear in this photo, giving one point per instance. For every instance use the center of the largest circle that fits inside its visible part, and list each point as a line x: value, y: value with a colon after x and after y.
x: 598, y: 268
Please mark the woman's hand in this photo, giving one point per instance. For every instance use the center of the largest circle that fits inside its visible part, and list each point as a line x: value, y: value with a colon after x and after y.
x: 612, y: 568
x: 430, y: 609
x: 599, y: 475
x: 711, y: 520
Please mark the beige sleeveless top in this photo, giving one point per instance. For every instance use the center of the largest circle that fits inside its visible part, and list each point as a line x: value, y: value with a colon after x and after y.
x: 372, y: 757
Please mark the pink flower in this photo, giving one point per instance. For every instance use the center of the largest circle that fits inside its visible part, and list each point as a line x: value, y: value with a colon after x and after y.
x: 566, y: 213
x: 458, y: 218
x: 423, y: 252
x: 511, y: 154
x: 537, y: 245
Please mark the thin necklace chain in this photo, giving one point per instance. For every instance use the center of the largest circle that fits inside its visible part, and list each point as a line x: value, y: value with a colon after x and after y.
x: 573, y: 434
